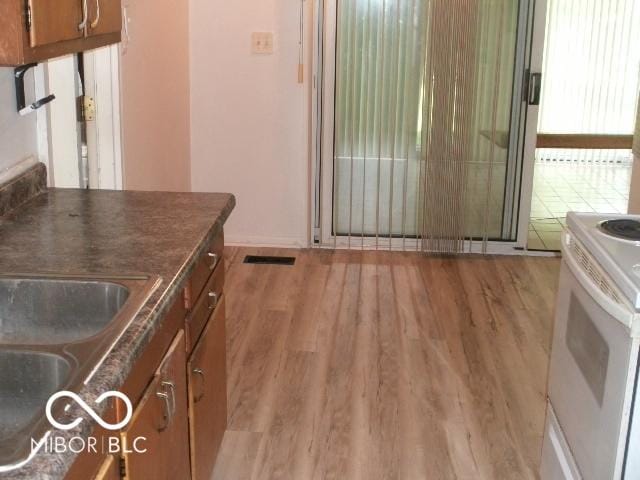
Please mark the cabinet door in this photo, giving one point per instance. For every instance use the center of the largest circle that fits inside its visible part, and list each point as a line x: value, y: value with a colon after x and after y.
x: 95, y: 464
x: 105, y: 16
x: 208, y: 395
x: 161, y: 418
x: 55, y: 21
x: 110, y: 470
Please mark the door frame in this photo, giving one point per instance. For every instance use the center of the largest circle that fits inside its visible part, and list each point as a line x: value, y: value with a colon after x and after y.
x: 58, y: 133
x: 530, y: 124
x: 324, y: 48
x: 316, y: 137
x: 324, y: 39
x: 104, y: 134
x: 59, y: 137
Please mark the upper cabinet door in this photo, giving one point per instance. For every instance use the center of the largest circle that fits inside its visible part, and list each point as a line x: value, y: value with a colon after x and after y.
x: 55, y: 21
x: 105, y: 16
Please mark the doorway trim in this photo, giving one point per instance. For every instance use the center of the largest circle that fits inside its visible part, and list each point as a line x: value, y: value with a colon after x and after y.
x: 104, y: 134
x: 59, y: 139
x: 530, y: 123
x: 58, y: 132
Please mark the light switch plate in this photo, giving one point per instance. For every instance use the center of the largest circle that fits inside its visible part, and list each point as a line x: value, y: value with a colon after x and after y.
x: 262, y: 42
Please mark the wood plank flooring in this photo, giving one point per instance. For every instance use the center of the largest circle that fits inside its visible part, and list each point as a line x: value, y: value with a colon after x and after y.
x: 379, y: 365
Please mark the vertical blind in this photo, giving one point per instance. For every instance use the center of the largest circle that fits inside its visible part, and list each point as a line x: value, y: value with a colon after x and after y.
x: 470, y: 65
x: 591, y: 73
x: 423, y: 99
x: 379, y: 68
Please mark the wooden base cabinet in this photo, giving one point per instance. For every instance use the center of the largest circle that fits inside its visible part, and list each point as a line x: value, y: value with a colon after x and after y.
x: 178, y: 388
x: 109, y: 470
x: 161, y: 419
x: 208, y: 394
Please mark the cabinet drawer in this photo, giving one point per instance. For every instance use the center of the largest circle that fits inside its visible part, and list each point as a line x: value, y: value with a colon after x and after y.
x: 205, y: 305
x: 207, y: 374
x: 207, y: 263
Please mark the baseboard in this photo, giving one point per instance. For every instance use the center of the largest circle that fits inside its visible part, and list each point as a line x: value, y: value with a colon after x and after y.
x: 274, y: 242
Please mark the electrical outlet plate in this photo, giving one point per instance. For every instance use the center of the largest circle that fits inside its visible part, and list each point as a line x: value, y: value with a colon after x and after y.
x: 262, y: 43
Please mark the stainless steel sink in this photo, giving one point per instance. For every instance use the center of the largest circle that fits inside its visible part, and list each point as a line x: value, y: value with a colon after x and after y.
x: 55, y: 331
x: 27, y: 380
x: 55, y: 311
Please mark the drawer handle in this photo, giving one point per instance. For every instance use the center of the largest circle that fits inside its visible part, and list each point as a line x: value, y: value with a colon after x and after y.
x: 214, y: 260
x: 198, y: 371
x: 213, y: 300
x: 167, y: 410
x: 96, y: 20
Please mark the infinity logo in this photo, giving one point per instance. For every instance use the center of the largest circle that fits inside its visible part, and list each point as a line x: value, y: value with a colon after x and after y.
x: 89, y: 410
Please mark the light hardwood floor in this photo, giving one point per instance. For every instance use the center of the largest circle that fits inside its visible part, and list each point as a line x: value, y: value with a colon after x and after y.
x: 378, y: 365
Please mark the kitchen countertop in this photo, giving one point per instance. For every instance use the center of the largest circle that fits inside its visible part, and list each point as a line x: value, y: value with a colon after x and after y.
x: 117, y: 233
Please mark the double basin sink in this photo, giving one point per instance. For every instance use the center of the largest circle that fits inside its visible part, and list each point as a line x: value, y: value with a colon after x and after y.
x: 54, y: 332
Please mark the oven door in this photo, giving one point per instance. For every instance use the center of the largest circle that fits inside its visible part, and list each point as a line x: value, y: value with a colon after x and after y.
x: 591, y: 372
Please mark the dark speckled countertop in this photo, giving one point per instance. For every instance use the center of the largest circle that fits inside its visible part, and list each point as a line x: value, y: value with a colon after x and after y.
x: 110, y: 233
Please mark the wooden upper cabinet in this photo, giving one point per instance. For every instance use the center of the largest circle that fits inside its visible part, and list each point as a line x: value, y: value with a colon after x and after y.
x: 55, y: 21
x: 105, y: 16
x: 36, y: 30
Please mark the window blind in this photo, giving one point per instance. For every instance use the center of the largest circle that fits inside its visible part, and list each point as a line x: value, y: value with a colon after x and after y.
x: 422, y: 120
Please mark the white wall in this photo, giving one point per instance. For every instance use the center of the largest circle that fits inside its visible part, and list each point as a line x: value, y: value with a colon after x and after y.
x: 249, y: 117
x: 155, y: 95
x: 18, y: 135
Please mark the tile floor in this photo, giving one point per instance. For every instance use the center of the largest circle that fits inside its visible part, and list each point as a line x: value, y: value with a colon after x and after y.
x: 562, y: 187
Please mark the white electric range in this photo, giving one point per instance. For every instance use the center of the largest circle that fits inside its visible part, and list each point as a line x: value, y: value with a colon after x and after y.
x: 593, y: 423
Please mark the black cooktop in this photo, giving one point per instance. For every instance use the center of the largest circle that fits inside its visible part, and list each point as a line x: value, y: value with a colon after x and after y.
x: 622, y: 228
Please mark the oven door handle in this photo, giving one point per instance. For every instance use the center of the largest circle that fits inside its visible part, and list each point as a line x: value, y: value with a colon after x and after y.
x: 619, y: 311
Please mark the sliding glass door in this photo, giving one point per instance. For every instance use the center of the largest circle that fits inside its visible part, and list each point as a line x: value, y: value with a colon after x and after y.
x: 422, y: 121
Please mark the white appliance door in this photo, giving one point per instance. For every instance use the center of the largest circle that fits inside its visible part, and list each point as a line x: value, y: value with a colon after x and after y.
x: 590, y: 365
